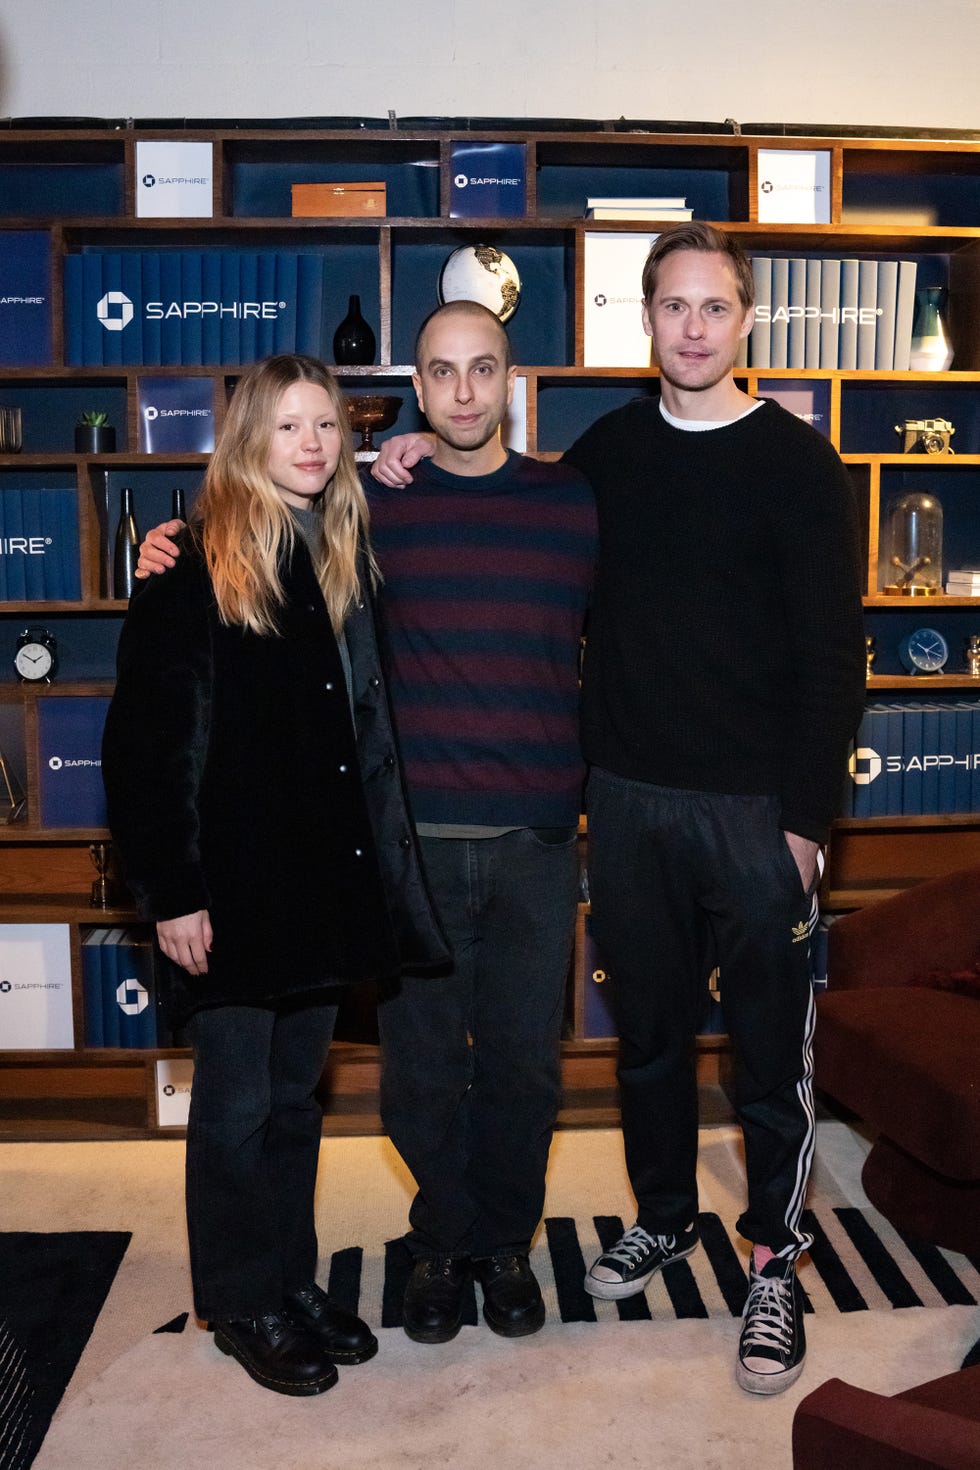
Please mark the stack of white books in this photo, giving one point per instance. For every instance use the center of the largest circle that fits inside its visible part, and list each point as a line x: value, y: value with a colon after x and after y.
x: 640, y: 208
x: 963, y: 583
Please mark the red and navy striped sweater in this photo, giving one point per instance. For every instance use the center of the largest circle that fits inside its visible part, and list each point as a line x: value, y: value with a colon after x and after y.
x: 486, y: 583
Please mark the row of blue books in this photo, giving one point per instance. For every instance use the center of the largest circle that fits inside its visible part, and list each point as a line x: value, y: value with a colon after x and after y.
x: 824, y: 313
x: 39, y: 553
x: 915, y: 759
x: 120, y: 990
x: 184, y: 307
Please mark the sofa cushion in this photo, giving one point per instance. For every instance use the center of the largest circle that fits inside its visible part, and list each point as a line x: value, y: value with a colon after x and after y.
x: 907, y: 1060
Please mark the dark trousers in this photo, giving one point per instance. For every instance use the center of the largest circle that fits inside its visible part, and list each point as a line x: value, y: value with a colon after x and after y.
x: 471, y: 1076
x: 253, y: 1142
x: 681, y: 881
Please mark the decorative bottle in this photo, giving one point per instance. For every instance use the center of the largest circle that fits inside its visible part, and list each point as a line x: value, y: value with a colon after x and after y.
x: 178, y: 510
x: 931, y: 352
x: 353, y: 342
x: 127, y: 548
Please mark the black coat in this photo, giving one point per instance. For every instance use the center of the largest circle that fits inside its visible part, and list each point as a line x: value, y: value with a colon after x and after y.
x: 235, y: 784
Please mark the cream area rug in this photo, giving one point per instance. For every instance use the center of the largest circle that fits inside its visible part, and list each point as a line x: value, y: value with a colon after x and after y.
x: 648, y: 1382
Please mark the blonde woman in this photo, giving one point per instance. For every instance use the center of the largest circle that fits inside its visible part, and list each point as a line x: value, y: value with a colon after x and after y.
x: 256, y: 798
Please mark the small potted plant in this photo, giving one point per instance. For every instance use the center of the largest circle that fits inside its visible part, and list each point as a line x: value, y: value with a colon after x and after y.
x: 94, y: 434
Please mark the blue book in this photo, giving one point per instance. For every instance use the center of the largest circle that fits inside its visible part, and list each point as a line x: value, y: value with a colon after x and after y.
x: 847, y: 345
x: 760, y: 336
x: 134, y: 994
x: 248, y: 336
x: 110, y: 984
x: 93, y: 332
x: 912, y: 759
x: 131, y: 338
x: 829, y: 313
x: 867, y: 319
x: 61, y: 513
x: 947, y: 757
x: 113, y: 331
x: 963, y: 757
x: 74, y: 311
x: 70, y: 760
x: 15, y: 564
x: 192, y: 290
x: 930, y: 759
x: 211, y: 298
x: 231, y: 351
x: 25, y: 297
x: 892, y: 774
x: 811, y: 335
x: 309, y: 315
x: 35, y: 589
x: 975, y: 755
x: 287, y: 289
x: 862, y: 780
x: 488, y: 179
x: 779, y: 320
x: 171, y: 346
x: 94, y: 1031
x: 878, y: 791
x: 266, y: 288
x: 796, y: 349
x: 150, y: 286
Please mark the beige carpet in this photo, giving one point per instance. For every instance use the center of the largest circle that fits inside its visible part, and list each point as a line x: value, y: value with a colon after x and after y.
x: 577, y: 1395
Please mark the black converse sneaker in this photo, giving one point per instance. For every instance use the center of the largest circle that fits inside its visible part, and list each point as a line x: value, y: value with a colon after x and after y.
x: 626, y: 1267
x: 772, y: 1345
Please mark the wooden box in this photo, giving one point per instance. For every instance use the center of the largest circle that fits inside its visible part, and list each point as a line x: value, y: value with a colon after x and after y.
x: 323, y: 200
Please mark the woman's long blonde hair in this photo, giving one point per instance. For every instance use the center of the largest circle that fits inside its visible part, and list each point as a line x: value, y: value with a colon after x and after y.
x: 244, y: 525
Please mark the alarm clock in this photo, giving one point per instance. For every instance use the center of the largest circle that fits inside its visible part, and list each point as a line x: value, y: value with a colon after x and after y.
x: 924, y: 652
x: 36, y: 656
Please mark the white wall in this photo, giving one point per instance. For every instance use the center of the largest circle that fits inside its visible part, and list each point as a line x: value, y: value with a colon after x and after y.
x: 884, y: 62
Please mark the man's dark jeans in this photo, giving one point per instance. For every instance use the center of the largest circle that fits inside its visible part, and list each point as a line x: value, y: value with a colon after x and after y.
x: 253, y: 1142
x: 471, y: 1075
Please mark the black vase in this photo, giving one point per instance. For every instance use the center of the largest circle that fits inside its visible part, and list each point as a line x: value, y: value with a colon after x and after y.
x: 353, y: 342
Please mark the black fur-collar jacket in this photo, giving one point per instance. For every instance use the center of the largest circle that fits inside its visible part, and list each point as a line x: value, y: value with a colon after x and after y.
x: 235, y: 784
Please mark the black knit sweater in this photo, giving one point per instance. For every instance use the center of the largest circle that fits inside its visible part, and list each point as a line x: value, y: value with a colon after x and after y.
x: 726, y: 646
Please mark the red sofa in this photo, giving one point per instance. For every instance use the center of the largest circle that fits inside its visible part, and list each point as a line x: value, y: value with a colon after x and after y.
x: 898, y: 1043
x: 934, y: 1425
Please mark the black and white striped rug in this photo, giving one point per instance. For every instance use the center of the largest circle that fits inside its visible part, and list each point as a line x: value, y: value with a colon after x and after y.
x: 857, y: 1264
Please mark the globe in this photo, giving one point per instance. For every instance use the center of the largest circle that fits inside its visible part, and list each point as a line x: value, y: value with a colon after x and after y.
x: 481, y: 273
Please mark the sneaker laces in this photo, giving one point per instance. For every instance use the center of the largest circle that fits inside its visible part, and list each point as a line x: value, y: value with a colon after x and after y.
x: 768, y: 1314
x: 636, y: 1243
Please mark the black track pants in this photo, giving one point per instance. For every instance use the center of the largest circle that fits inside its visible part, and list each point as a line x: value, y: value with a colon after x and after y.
x: 681, y: 881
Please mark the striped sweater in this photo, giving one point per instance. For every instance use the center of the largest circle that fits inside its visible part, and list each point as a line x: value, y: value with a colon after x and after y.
x: 486, y: 583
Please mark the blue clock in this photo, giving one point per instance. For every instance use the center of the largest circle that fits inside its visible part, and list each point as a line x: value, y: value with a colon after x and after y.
x: 924, y: 652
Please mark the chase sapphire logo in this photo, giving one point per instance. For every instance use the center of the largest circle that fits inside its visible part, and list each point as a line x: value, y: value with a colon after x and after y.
x: 55, y: 763
x: 115, y: 311
x: 600, y: 300
x: 169, y: 1090
x: 864, y: 765
x: 148, y: 181
x: 766, y: 186
x: 461, y: 181
x: 5, y: 987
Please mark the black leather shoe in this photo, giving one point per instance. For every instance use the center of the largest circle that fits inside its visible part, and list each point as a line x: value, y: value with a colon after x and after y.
x: 277, y: 1353
x: 512, y: 1302
x: 343, y: 1337
x: 433, y: 1306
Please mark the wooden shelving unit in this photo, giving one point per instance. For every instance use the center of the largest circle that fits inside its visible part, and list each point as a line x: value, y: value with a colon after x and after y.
x: 78, y: 186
